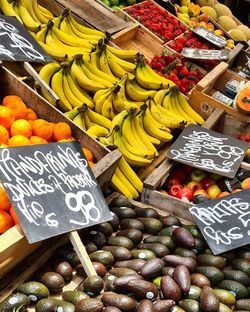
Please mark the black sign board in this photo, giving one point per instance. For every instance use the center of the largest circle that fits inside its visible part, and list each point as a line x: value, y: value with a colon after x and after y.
x: 210, y: 36
x: 16, y: 44
x: 225, y: 222
x: 203, y: 54
x: 208, y: 150
x: 52, y: 189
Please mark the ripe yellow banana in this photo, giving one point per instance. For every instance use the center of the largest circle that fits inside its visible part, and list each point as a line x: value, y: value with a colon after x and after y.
x: 116, y: 69
x: 151, y: 119
x: 38, y: 11
x: 125, y: 181
x: 137, y: 95
x: 123, y: 54
x: 28, y: 4
x: 100, y: 97
x: 45, y: 12
x: 130, y: 174
x: 27, y: 19
x: 97, y: 131
x: 79, y: 121
x: 160, y: 95
x: 146, y: 81
x: 57, y: 54
x: 7, y: 9
x: 104, y: 64
x: 57, y: 87
x: 170, y: 106
x: 129, y: 67
x: 120, y: 186
x: 152, y: 73
x: 46, y: 74
x: 180, y: 110
x: 118, y: 120
x: 94, y: 58
x: 88, y: 122
x: 72, y: 113
x: 40, y: 35
x: 98, y: 119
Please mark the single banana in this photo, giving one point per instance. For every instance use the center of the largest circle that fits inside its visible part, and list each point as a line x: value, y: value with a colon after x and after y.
x: 72, y: 113
x: 130, y: 174
x: 180, y: 110
x: 56, y: 54
x: 170, y: 106
x: 152, y: 73
x: 146, y: 81
x: 129, y: 67
x: 188, y: 109
x: 70, y: 96
x: 98, y: 119
x: 79, y: 121
x: 83, y: 80
x: 116, y: 69
x: 27, y: 19
x: 123, y: 54
x: 118, y: 185
x: 160, y: 95
x: 43, y: 19
x: 8, y: 9
x: 28, y: 4
x: 126, y: 182
x: 97, y: 131
x: 88, y: 122
x: 138, y: 126
x: 104, y: 64
x: 41, y: 34
x: 107, y: 106
x: 57, y: 87
x: 118, y: 120
x: 101, y: 98
x: 151, y: 120
x: 136, y: 95
x: 45, y: 12
x: 46, y: 74
x: 94, y: 58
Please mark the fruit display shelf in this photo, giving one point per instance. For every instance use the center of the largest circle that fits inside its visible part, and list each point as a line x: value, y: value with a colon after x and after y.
x: 151, y: 195
x: 13, y: 244
x: 203, y: 94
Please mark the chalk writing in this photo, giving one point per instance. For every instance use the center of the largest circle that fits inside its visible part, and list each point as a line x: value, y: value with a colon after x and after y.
x: 204, y: 54
x: 210, y: 36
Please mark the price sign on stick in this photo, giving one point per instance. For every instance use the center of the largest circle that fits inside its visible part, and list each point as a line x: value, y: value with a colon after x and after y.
x: 208, y: 150
x: 52, y: 189
x: 16, y: 44
x: 210, y: 36
x: 203, y: 54
x: 225, y: 222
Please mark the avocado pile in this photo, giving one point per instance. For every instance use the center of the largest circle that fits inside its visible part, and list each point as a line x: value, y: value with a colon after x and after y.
x: 144, y: 263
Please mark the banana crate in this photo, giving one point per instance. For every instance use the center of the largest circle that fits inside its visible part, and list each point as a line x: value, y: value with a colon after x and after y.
x: 13, y: 245
x: 152, y: 193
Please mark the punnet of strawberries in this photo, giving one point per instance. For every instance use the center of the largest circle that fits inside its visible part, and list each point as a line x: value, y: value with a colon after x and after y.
x: 183, y: 73
x: 157, y: 20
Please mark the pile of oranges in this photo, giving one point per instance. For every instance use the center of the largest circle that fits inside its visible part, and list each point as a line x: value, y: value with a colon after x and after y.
x: 20, y: 126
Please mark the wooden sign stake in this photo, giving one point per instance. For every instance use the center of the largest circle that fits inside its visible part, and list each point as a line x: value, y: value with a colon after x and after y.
x: 82, y: 253
x: 41, y: 83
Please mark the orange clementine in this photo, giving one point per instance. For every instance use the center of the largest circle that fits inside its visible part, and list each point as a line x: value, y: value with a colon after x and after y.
x: 18, y: 107
x: 42, y: 128
x: 18, y: 140
x: 88, y: 154
x: 10, y: 98
x: 7, y: 117
x: 21, y: 126
x: 14, y: 215
x: 62, y: 131
x: 37, y: 140
x: 91, y: 164
x: 4, y: 135
x: 6, y: 221
x: 5, y: 203
x: 31, y: 114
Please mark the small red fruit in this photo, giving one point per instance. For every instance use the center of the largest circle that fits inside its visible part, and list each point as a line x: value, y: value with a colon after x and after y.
x: 174, y: 190
x: 206, y: 182
x: 194, y: 186
x: 185, y: 193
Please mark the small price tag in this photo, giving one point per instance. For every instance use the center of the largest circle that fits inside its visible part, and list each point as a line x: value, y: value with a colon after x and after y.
x: 202, y: 54
x: 210, y: 36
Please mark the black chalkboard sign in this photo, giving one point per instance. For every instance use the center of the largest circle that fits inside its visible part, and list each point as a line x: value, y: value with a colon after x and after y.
x: 203, y: 54
x: 52, y: 189
x: 210, y: 36
x: 225, y: 222
x: 16, y: 44
x: 208, y: 150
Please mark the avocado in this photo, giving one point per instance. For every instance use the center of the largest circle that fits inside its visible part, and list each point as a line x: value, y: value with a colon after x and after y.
x: 64, y: 269
x: 134, y: 264
x: 109, y: 280
x: 184, y: 252
x: 151, y: 225
x: 74, y: 296
x: 133, y: 234
x: 242, y: 265
x: 183, y: 238
x: 129, y: 223
x: 122, y: 302
x: 90, y: 247
x: 51, y: 304
x: 211, y: 260
x: 93, y: 285
x: 174, y: 261
x: 119, y: 253
x: 53, y: 281
x: 98, y: 238
x: 194, y: 293
x: 208, y: 300
x: 146, y: 213
x: 104, y: 227
x: 239, y: 289
x: 102, y: 256
x: 118, y: 272
x: 15, y: 302
x: 142, y: 289
x: 167, y: 231
x: 189, y: 305
x: 165, y: 240
x: 243, y: 304
x: 34, y: 290
x: 182, y: 277
x: 120, y: 201
x: 120, y: 241
x: 121, y: 283
x: 114, y: 222
x: 89, y: 305
x: 170, y: 221
x: 111, y: 309
x: 200, y: 280
x: 194, y: 230
x: 170, y: 289
x: 163, y: 305
x: 168, y: 271
x: 226, y: 297
x: 143, y: 254
x: 145, y: 306
x: 200, y: 245
x: 243, y: 254
x: 99, y: 268
x: 152, y: 268
x: 214, y: 274
x: 238, y: 276
x: 68, y: 254
x: 229, y: 255
x: 124, y: 212
x: 159, y: 249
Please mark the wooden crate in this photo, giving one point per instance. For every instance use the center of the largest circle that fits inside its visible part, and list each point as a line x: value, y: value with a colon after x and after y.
x: 201, y: 96
x: 151, y: 195
x: 239, y: 60
x: 13, y: 244
x: 23, y: 273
